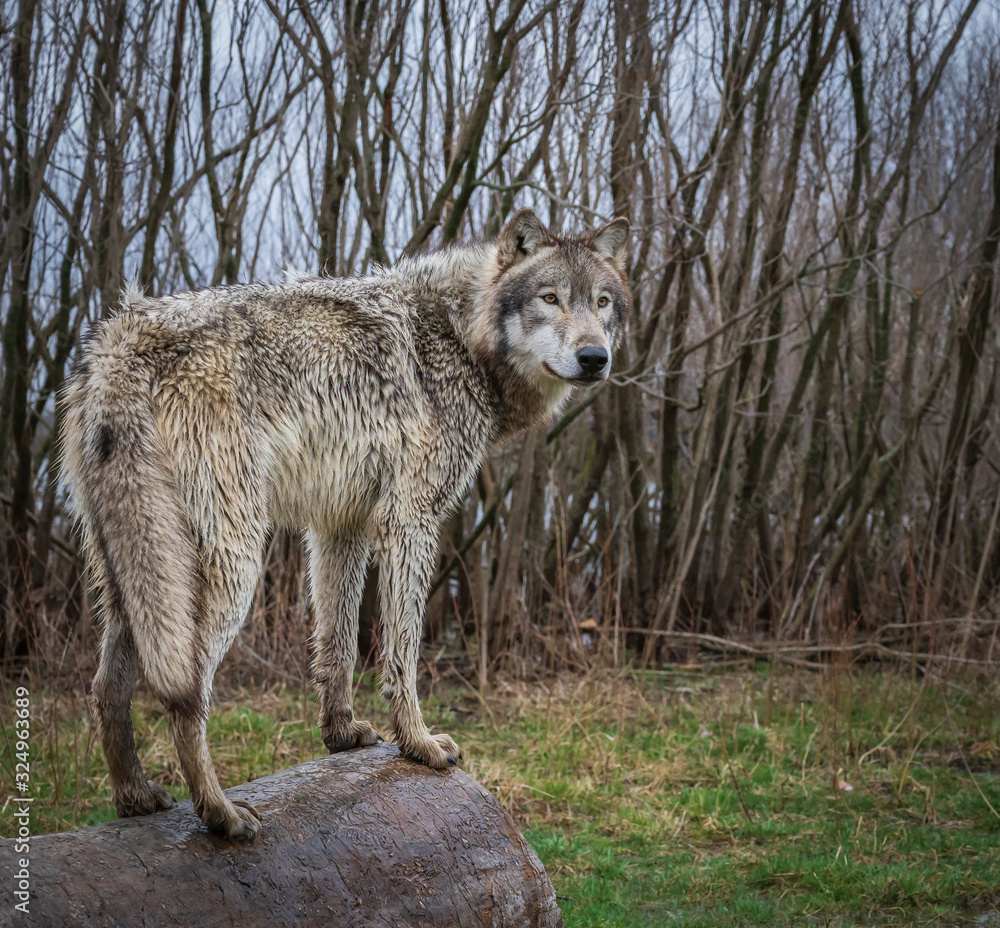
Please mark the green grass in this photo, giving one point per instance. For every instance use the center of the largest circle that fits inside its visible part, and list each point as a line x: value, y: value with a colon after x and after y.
x: 684, y: 799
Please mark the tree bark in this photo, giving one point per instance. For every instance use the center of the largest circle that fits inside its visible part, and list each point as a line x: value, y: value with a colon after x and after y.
x: 364, y: 838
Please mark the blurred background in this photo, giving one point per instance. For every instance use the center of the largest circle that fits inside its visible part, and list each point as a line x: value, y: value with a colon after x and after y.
x: 797, y: 454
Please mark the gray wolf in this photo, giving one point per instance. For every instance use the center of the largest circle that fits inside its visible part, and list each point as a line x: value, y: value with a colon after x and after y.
x: 358, y: 411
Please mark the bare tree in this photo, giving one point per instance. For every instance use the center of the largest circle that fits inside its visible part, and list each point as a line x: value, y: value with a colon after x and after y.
x: 800, y: 435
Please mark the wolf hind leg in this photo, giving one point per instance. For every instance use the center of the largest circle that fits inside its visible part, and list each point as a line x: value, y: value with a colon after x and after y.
x: 233, y: 819
x: 337, y: 565
x: 111, y: 698
x: 408, y: 554
x: 229, y: 578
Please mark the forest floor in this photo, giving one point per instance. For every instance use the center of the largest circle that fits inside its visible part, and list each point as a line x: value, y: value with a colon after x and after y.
x: 688, y: 797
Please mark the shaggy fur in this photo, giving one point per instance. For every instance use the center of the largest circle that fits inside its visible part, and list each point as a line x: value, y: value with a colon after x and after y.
x: 356, y: 410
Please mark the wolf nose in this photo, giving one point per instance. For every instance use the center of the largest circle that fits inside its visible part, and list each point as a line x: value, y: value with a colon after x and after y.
x: 592, y: 359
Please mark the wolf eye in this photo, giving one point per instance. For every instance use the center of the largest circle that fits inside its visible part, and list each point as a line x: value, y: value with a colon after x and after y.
x: 603, y: 301
x: 550, y: 298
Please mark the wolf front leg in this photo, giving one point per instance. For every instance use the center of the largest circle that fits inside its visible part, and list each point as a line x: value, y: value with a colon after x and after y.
x: 407, y: 557
x: 337, y: 564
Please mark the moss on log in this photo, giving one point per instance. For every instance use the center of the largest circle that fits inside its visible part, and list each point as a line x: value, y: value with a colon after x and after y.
x: 364, y: 838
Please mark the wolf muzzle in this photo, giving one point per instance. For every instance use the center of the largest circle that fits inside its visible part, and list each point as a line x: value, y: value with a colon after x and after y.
x: 592, y: 360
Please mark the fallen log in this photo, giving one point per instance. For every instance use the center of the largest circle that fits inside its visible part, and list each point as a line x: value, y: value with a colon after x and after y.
x: 363, y: 838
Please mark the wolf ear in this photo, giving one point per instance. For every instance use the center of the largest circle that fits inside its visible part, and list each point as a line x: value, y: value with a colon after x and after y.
x: 523, y: 235
x: 611, y: 241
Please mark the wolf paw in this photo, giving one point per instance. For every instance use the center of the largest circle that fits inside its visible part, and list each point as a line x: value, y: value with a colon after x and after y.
x: 353, y: 734
x: 146, y: 800
x: 433, y: 750
x: 237, y: 820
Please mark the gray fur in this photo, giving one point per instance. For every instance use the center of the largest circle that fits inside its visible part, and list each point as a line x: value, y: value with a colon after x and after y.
x: 356, y: 410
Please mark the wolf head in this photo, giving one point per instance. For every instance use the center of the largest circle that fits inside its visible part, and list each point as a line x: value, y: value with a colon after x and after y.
x: 555, y: 308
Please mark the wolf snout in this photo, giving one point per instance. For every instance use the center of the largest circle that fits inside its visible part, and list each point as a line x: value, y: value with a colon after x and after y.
x: 592, y: 360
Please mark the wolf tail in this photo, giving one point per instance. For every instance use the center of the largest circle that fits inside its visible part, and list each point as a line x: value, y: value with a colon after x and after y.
x: 141, y: 551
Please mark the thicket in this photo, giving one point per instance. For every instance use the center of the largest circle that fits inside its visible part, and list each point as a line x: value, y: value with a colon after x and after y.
x: 798, y: 448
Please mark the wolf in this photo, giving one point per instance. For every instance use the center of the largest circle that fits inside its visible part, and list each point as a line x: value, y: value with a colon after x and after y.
x: 356, y: 410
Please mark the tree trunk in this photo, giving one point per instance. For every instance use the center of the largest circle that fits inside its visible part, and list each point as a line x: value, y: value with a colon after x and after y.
x: 362, y: 838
